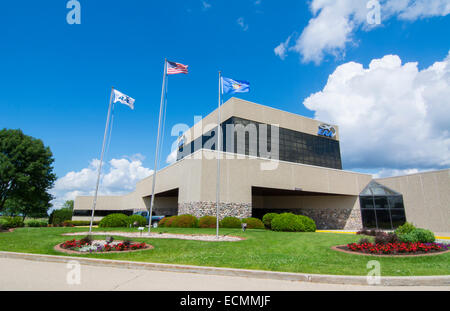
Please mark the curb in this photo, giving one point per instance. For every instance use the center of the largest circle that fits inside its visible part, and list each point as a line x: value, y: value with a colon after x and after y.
x: 286, y: 276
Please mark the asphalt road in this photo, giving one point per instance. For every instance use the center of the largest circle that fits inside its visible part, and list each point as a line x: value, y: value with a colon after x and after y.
x: 20, y: 274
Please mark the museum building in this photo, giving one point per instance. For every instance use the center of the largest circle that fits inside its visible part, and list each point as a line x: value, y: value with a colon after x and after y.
x: 276, y: 161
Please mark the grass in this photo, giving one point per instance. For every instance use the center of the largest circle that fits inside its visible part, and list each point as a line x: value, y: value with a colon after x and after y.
x: 262, y: 249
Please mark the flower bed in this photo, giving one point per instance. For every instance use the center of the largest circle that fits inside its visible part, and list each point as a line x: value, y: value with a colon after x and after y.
x: 400, y: 248
x: 82, y: 246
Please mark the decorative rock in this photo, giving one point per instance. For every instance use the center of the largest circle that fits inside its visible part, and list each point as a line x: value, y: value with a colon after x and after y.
x: 200, y: 209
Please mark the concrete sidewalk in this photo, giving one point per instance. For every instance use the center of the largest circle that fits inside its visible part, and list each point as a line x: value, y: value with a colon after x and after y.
x: 21, y: 274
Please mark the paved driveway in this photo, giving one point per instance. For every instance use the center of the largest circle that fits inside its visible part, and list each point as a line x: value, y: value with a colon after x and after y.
x: 20, y: 274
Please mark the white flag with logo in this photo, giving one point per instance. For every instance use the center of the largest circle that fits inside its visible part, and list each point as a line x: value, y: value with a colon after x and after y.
x: 124, y: 99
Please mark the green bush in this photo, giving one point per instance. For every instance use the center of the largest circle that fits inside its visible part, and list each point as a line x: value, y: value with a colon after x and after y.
x: 166, y: 221
x: 308, y: 224
x: 418, y: 235
x: 253, y: 223
x: 287, y: 222
x: 114, y: 221
x: 140, y: 220
x: 3, y: 224
x: 35, y: 223
x: 230, y: 222
x: 9, y: 222
x: 407, y: 227
x: 17, y: 222
x: 207, y: 222
x: 267, y: 219
x: 185, y: 221
x: 58, y: 217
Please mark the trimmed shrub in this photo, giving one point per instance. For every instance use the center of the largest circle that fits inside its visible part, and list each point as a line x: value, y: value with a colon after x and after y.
x: 9, y: 222
x: 185, y: 221
x: 424, y: 235
x: 253, y: 223
x: 230, y: 222
x: 3, y: 224
x: 207, y: 222
x: 140, y: 220
x: 36, y: 223
x: 17, y: 222
x: 114, y: 220
x: 407, y: 227
x: 308, y: 224
x: 418, y: 235
x: 287, y: 222
x: 57, y: 217
x: 166, y: 221
x: 267, y: 219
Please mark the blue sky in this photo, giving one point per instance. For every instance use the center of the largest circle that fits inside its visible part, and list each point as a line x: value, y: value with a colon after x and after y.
x: 55, y: 78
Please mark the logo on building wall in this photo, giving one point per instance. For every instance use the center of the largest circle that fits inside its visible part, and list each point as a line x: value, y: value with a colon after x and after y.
x: 326, y: 130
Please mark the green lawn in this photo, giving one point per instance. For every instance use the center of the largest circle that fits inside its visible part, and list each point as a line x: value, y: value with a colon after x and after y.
x: 263, y: 249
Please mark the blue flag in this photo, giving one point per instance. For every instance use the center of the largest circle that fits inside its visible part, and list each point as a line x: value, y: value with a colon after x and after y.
x: 230, y: 86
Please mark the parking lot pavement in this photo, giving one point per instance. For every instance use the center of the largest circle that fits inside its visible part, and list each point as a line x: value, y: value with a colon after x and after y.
x: 20, y: 274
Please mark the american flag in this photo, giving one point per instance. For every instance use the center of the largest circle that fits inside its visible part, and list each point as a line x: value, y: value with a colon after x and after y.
x: 175, y: 68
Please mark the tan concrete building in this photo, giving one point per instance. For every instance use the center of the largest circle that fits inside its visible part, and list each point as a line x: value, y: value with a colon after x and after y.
x: 426, y: 198
x: 271, y: 160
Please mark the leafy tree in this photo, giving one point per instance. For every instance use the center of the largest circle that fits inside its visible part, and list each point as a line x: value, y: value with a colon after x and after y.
x: 58, y: 216
x: 26, y: 174
x: 68, y: 204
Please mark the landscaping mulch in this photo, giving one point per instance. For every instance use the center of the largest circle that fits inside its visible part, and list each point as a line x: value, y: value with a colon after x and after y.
x: 344, y: 249
x: 8, y: 231
x: 58, y: 248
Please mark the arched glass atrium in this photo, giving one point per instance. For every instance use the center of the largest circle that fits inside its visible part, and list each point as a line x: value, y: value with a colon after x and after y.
x: 381, y: 207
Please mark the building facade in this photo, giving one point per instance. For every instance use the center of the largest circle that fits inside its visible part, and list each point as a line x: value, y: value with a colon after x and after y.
x: 271, y: 161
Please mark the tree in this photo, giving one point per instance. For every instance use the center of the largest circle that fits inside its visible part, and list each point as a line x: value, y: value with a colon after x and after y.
x: 26, y: 174
x: 58, y: 216
x: 68, y: 204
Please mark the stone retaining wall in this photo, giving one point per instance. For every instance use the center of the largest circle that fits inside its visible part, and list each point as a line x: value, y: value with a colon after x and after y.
x: 334, y: 218
x: 325, y: 218
x: 199, y: 209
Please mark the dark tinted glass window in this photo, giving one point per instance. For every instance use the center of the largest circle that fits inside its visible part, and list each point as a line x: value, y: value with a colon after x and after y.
x: 396, y: 202
x: 398, y: 217
x: 368, y: 218
x: 367, y: 202
x: 387, y: 208
x: 381, y: 202
x: 294, y: 146
x: 383, y: 219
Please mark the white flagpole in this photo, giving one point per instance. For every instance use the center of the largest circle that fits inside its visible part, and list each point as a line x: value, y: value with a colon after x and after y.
x: 101, y: 161
x: 218, y: 162
x: 157, y: 147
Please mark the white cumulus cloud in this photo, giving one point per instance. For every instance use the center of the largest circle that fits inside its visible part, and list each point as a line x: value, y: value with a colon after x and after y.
x: 390, y: 115
x: 119, y: 176
x: 241, y: 22
x: 206, y: 5
x: 172, y: 157
x: 334, y: 23
x: 282, y: 49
